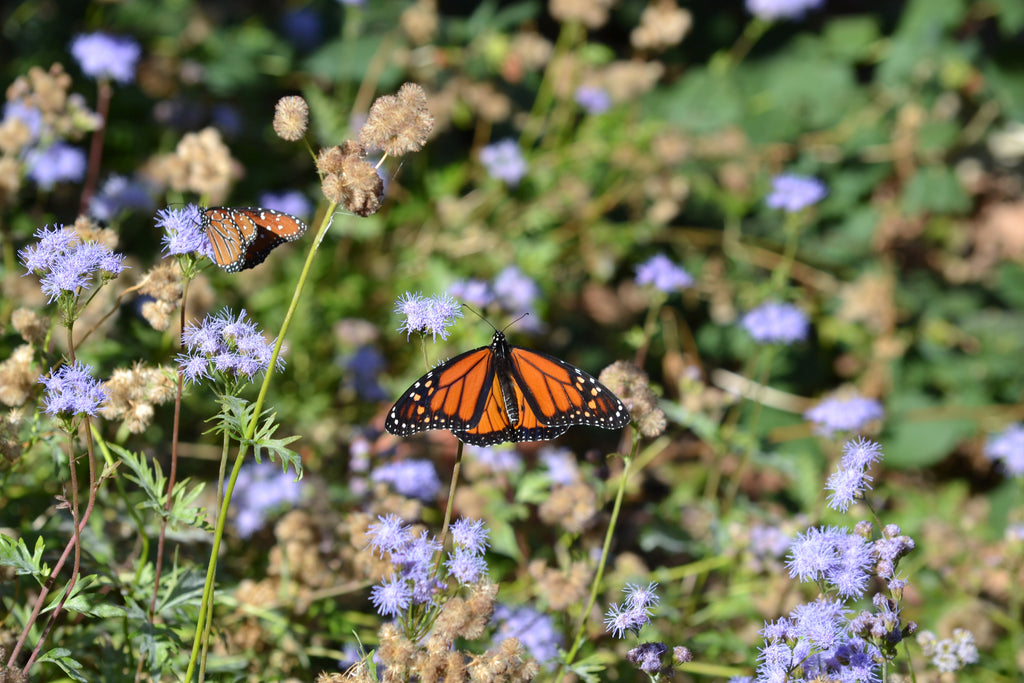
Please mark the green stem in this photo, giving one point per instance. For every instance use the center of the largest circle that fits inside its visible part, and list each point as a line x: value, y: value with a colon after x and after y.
x: 605, y: 550
x: 250, y: 430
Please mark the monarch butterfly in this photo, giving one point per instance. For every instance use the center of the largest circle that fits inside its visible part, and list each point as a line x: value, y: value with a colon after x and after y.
x: 242, y: 237
x: 502, y: 393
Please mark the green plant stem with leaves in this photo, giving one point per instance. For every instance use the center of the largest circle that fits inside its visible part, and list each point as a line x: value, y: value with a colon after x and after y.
x: 205, y: 607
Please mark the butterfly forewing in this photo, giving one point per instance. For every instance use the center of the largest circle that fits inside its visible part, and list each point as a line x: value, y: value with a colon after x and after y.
x: 465, y: 395
x: 451, y: 396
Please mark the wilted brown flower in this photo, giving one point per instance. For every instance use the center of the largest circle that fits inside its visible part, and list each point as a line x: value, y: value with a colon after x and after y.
x: 17, y: 376
x: 357, y: 187
x: 662, y: 25
x: 291, y: 117
x: 29, y: 324
x: 398, y: 123
x: 591, y: 13
x: 419, y: 21
x: 573, y: 507
x: 631, y: 385
x: 201, y: 163
x: 132, y: 393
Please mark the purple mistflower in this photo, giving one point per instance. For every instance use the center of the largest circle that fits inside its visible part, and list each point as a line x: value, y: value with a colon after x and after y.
x: 183, y: 232
x: 593, y: 100
x: 102, y: 55
x: 848, y: 413
x: 833, y: 555
x: 415, y: 563
x: 388, y: 535
x: 619, y: 619
x: 411, y: 478
x: 58, y: 162
x: 260, y: 488
x: 290, y: 201
x: 515, y: 291
x: 473, y: 291
x: 1007, y: 448
x: 432, y: 315
x: 232, y: 346
x: 821, y: 622
x: 851, y: 478
x: 561, y: 465
x: 303, y: 26
x: 391, y: 597
x: 792, y: 192
x: 470, y: 534
x: 504, y: 161
x: 774, y: 322
x: 776, y: 661
x: 65, y: 263
x: 647, y: 656
x: 641, y: 597
x: 500, y: 458
x: 72, y: 390
x: 770, y: 10
x: 536, y: 631
x: 466, y: 566
x: 352, y: 3
x: 660, y: 272
x: 119, y: 194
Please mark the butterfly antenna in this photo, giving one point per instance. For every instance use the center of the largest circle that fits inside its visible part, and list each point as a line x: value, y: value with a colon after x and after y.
x: 480, y: 315
x: 514, y: 321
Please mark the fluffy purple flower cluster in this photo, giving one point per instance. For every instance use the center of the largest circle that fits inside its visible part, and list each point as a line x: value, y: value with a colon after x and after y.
x: 849, y: 413
x: 413, y: 557
x: 72, y: 390
x: 427, y: 315
x: 635, y: 611
x: 823, y: 639
x: 663, y: 274
x: 792, y: 193
x: 851, y: 478
x: 776, y: 323
x: 183, y: 232
x: 504, y: 161
x: 66, y: 264
x: 771, y: 10
x: 411, y: 478
x: 512, y: 290
x: 226, y: 347
x: 102, y: 55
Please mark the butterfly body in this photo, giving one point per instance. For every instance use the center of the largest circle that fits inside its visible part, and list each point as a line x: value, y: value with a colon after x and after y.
x: 242, y: 237
x: 501, y: 393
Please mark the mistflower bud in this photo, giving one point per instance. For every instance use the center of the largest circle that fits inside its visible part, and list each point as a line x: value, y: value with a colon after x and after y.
x: 291, y: 117
x: 398, y: 123
x: 681, y: 654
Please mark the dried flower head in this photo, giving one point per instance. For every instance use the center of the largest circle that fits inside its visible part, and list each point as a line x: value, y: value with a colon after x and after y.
x: 398, y: 123
x: 30, y: 325
x: 419, y: 21
x: 350, y: 180
x: 133, y: 393
x: 201, y: 163
x: 631, y: 385
x: 10, y: 179
x: 291, y: 117
x: 591, y: 13
x: 573, y: 507
x: 662, y: 25
x: 17, y: 376
x: 10, y: 440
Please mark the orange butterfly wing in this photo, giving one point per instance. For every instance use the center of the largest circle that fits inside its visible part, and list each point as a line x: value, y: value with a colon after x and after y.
x: 466, y: 396
x: 242, y: 238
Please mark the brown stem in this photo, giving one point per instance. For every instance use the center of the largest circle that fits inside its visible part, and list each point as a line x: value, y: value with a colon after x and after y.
x: 104, y: 91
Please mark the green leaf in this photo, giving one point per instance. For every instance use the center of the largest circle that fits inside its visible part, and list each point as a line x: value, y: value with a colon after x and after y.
x: 853, y: 37
x: 921, y: 437
x: 62, y: 658
x: 14, y: 553
x: 935, y: 189
x: 703, y: 102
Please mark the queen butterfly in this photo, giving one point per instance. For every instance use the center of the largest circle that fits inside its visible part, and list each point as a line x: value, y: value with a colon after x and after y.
x: 242, y: 237
x: 501, y: 393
